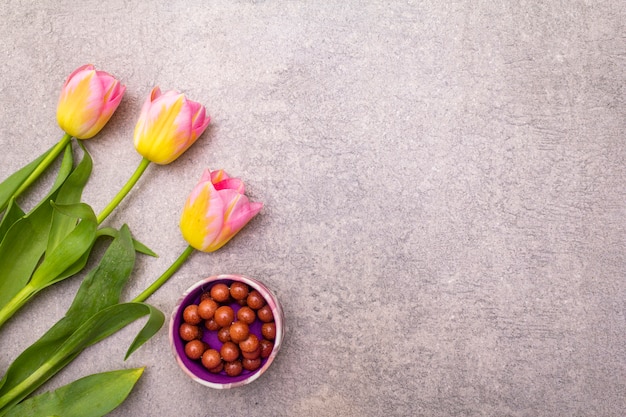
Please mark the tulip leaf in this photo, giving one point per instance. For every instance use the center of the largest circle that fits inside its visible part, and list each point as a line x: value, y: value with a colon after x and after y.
x: 10, y: 185
x: 139, y: 247
x: 21, y: 250
x: 152, y: 326
x: 91, y: 396
x: 67, y: 165
x: 69, y: 193
x: 12, y: 215
x: 57, y: 265
x: 93, y: 315
x: 110, y: 320
x: 69, y: 250
x: 25, y: 240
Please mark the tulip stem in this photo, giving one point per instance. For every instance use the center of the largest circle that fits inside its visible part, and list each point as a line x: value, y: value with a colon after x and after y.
x: 124, y: 191
x: 54, y: 152
x: 166, y: 275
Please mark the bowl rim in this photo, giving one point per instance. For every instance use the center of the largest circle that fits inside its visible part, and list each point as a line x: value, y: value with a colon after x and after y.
x: 270, y: 299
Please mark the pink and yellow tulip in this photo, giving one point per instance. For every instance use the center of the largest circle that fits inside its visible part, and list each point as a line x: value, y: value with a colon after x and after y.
x: 88, y: 100
x: 215, y: 211
x: 168, y: 125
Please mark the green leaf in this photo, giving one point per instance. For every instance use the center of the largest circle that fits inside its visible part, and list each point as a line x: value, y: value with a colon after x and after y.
x: 69, y: 250
x: 103, y: 286
x: 25, y: 240
x: 95, y: 328
x: 82, y: 261
x: 139, y: 247
x: 67, y: 165
x: 93, y: 316
x: 152, y: 326
x: 12, y: 215
x: 21, y: 250
x: 13, y: 182
x: 57, y: 265
x: 69, y: 193
x: 110, y: 320
x: 91, y: 396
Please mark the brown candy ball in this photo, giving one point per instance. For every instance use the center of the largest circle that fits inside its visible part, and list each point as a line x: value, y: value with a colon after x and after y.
x: 224, y: 316
x: 246, y: 315
x: 239, y: 290
x: 252, y: 355
x: 266, y: 348
x: 190, y: 314
x: 188, y: 332
x: 211, y: 358
x: 194, y: 349
x: 255, y: 300
x: 219, y: 368
x: 250, y: 344
x: 220, y: 292
x: 223, y: 334
x: 265, y: 314
x: 229, y: 351
x: 233, y: 368
x: 268, y: 330
x: 239, y: 331
x: 251, y: 364
x: 207, y: 308
x: 211, y: 325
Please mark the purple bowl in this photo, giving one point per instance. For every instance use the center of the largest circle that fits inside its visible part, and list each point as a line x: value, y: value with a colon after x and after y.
x: 194, y: 369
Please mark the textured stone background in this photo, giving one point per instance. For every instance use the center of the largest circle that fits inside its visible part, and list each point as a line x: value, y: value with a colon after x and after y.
x: 444, y: 188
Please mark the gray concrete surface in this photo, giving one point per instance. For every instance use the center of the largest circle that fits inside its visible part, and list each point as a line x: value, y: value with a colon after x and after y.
x: 444, y: 188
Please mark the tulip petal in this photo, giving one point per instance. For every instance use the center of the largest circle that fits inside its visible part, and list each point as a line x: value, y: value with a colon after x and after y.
x: 207, y: 175
x: 232, y: 200
x: 199, y: 119
x: 112, y: 93
x: 113, y: 98
x: 196, y: 110
x: 230, y: 183
x: 80, y: 104
x: 87, y: 67
x: 202, y: 217
x: 154, y: 94
x: 219, y: 175
x: 238, y: 217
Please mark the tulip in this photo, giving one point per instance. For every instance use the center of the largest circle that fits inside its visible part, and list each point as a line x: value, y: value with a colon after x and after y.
x: 168, y: 125
x: 215, y: 211
x: 88, y: 100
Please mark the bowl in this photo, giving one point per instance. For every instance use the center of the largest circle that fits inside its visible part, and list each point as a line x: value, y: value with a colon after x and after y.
x: 194, y: 368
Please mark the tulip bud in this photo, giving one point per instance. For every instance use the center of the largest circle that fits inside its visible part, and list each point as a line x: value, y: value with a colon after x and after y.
x: 88, y: 100
x: 215, y: 211
x: 168, y: 125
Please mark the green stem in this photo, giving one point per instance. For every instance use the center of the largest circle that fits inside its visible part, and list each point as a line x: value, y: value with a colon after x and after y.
x: 16, y: 303
x: 54, y: 152
x: 124, y: 191
x: 166, y: 275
